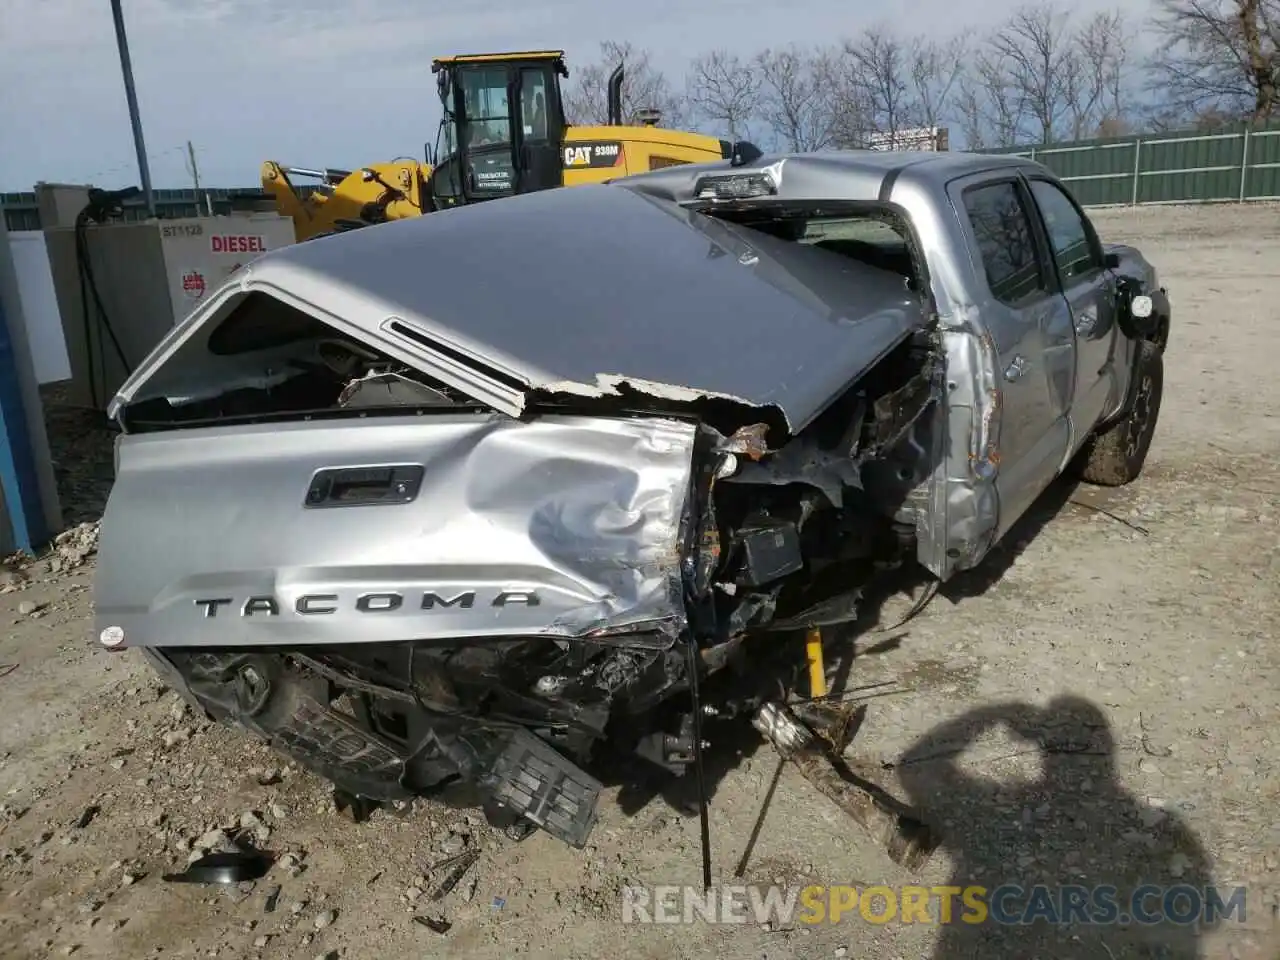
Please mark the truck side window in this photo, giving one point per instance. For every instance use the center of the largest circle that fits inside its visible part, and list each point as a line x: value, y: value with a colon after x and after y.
x: 1006, y: 242
x: 1067, y: 233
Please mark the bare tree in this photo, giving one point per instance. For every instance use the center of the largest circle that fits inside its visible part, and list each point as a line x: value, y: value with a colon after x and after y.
x: 644, y: 87
x: 1037, y: 52
x: 1093, y: 74
x: 1106, y: 42
x: 934, y: 69
x: 992, y: 107
x: 971, y: 110
x: 878, y: 64
x: 848, y: 103
x: 1091, y: 81
x: 724, y: 90
x: 792, y: 102
x: 1219, y: 56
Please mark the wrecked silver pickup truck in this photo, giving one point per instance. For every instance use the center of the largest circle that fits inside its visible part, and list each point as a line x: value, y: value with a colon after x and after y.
x: 479, y: 497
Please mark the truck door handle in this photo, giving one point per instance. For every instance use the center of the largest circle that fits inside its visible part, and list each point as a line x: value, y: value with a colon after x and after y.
x: 351, y: 486
x: 1016, y: 369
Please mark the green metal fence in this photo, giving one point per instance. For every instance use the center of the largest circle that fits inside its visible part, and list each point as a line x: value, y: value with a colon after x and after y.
x: 1237, y: 165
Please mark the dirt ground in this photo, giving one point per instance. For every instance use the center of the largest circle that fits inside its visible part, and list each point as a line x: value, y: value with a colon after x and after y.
x: 1098, y: 704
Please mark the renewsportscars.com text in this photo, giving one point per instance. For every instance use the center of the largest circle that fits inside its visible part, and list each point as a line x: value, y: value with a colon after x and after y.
x: 1008, y: 904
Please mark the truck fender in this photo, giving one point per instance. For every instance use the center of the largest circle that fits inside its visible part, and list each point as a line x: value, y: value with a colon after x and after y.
x: 1154, y: 328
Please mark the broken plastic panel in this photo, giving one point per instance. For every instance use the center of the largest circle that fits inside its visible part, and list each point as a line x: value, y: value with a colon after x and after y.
x: 739, y: 186
x: 532, y: 780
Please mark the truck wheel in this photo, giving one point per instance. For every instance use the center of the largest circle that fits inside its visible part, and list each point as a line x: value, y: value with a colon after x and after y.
x: 1115, y: 456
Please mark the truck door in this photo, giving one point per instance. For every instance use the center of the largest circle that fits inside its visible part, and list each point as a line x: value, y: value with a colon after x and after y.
x: 1091, y: 296
x: 1028, y: 318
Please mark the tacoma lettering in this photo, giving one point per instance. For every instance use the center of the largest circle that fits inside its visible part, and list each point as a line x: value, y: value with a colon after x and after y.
x: 211, y: 606
x: 318, y: 603
x: 382, y: 601
x: 466, y: 599
x: 379, y: 602
x: 265, y: 605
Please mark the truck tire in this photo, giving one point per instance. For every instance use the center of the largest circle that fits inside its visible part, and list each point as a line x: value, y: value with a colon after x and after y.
x: 1115, y: 455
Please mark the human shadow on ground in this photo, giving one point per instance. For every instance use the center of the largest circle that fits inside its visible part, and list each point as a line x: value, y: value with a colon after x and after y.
x: 1075, y: 830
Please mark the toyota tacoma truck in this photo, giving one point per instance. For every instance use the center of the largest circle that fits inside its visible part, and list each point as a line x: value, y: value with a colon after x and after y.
x: 479, y: 499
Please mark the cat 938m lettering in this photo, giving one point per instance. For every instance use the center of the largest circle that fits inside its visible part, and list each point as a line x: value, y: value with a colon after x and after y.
x: 318, y: 604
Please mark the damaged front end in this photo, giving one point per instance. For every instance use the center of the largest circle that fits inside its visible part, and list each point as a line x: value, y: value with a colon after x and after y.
x: 421, y: 568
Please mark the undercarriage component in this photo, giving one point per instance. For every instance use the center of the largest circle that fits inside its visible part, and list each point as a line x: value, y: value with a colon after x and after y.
x: 671, y: 751
x: 908, y: 841
x: 769, y: 551
x: 538, y: 784
x: 704, y: 819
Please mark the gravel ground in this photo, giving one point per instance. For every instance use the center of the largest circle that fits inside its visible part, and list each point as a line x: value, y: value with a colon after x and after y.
x: 1097, y: 704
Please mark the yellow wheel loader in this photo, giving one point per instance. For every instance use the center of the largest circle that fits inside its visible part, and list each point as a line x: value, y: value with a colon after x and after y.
x: 503, y: 132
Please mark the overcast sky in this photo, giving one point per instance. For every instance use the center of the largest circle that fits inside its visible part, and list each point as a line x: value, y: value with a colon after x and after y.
x: 339, y: 82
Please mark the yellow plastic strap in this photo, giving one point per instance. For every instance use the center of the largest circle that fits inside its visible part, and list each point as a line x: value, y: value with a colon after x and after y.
x: 817, y: 669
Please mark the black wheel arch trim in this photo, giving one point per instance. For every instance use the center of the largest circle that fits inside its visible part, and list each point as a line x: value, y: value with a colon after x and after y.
x: 1135, y: 379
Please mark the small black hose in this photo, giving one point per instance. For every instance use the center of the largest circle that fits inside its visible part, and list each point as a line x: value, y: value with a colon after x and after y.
x: 87, y: 281
x: 84, y: 307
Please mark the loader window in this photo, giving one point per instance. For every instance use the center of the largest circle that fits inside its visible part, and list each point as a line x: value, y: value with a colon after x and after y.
x: 533, y: 103
x: 484, y: 97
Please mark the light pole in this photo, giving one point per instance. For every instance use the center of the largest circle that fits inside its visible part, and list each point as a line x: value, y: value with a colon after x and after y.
x: 126, y: 67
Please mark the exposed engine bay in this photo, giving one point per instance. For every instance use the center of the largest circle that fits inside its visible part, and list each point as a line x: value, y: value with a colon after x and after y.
x: 777, y: 533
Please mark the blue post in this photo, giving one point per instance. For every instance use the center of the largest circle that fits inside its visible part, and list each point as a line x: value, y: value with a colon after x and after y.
x: 17, y: 464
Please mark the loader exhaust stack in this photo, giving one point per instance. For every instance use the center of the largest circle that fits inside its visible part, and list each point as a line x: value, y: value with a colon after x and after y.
x: 615, y: 96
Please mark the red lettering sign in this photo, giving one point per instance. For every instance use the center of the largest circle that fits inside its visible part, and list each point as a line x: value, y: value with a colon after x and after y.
x: 193, y: 284
x: 238, y: 244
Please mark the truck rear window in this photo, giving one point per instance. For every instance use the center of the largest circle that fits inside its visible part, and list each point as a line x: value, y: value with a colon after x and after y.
x: 871, y: 237
x: 261, y: 322
x: 871, y: 241
x: 266, y: 360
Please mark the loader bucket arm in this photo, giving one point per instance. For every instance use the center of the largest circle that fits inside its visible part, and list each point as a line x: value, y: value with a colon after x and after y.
x: 372, y: 194
x: 276, y: 182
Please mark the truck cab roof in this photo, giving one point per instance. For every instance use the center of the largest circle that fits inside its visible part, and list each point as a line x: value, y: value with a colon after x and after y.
x: 835, y: 174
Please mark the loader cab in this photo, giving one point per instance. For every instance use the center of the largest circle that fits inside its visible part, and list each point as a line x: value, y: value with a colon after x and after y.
x: 502, y: 125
